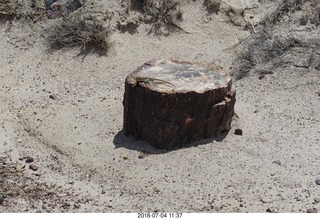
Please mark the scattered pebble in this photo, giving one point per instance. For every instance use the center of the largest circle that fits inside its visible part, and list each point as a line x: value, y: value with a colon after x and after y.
x: 261, y: 77
x: 317, y: 182
x: 238, y: 131
x: 269, y: 210
x: 125, y: 158
x: 29, y: 160
x: 19, y: 141
x: 278, y: 162
x: 52, y: 96
x: 297, y: 199
x: 141, y: 155
x: 313, y: 210
x: 33, y: 167
x: 61, y: 194
x: 66, y: 205
x: 317, y: 200
x: 156, y: 189
x: 103, y: 192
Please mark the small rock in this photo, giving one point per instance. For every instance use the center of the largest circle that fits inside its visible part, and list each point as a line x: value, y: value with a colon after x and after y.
x: 66, y: 205
x: 19, y: 141
x: 317, y: 182
x: 29, y: 160
x: 238, y: 131
x: 61, y: 194
x: 278, y: 162
x: 52, y: 96
x: 141, y: 155
x: 269, y: 210
x: 241, y: 205
x: 156, y: 189
x: 125, y: 158
x: 317, y: 200
x: 261, y: 77
x: 313, y: 210
x: 103, y: 192
x: 33, y: 167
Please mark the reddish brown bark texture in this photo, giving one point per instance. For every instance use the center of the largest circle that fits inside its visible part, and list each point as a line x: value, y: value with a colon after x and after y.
x: 174, y: 119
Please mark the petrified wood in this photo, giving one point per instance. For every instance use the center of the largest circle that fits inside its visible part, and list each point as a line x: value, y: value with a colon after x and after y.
x: 169, y: 103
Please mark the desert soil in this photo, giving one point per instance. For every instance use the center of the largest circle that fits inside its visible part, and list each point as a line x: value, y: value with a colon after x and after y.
x: 62, y: 148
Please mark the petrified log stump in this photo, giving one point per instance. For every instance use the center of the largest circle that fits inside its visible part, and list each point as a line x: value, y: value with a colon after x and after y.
x: 171, y: 103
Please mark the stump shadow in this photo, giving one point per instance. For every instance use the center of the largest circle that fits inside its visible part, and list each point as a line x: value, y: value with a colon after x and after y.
x: 129, y: 142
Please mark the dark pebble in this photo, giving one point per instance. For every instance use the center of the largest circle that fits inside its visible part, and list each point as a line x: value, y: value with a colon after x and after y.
x: 238, y: 131
x: 52, y: 96
x: 317, y: 182
x: 29, y: 160
x: 261, y: 77
x: 313, y: 210
x: 103, y: 192
x: 269, y: 210
x: 278, y: 162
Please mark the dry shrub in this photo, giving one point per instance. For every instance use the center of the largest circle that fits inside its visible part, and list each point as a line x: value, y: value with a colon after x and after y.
x: 164, y: 15
x: 212, y: 5
x: 83, y: 31
x: 8, y: 10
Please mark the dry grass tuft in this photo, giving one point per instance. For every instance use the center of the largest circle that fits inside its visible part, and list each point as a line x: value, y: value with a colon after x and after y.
x: 8, y: 10
x: 212, y: 6
x: 79, y: 30
x: 164, y: 15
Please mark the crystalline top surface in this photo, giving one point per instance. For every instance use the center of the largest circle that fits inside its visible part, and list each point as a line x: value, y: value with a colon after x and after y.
x: 161, y: 75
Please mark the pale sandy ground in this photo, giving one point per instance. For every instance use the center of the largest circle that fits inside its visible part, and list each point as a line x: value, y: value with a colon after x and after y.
x: 86, y: 164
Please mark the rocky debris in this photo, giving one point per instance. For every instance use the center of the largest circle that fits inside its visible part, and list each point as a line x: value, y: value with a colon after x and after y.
x: 38, y: 196
x: 317, y: 182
